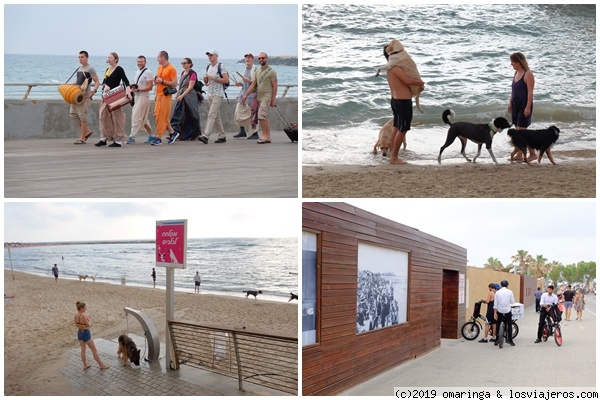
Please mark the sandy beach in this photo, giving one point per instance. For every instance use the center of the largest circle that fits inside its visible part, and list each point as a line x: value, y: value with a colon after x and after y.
x: 566, y: 179
x: 39, y: 331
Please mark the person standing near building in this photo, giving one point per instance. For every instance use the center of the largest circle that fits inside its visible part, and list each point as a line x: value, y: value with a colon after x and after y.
x: 243, y: 110
x: 142, y: 85
x: 538, y: 295
x: 490, y: 314
x: 79, y: 113
x: 166, y: 78
x: 55, y: 273
x: 216, y: 76
x: 548, y: 300
x: 197, y: 282
x: 568, y: 302
x: 503, y: 299
x: 265, y: 85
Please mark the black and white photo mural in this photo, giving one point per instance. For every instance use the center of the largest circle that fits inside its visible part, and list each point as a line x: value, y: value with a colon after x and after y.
x: 382, y: 295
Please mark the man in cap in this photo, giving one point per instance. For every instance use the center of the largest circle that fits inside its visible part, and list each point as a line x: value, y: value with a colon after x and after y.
x: 216, y: 76
x: 243, y: 110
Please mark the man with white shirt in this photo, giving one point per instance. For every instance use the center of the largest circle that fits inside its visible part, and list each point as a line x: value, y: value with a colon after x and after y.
x: 546, y: 302
x: 503, y: 299
x: 142, y: 85
x: 216, y: 76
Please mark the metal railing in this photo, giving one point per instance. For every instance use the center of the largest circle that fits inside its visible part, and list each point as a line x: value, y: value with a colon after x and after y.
x: 285, y: 86
x: 255, y: 357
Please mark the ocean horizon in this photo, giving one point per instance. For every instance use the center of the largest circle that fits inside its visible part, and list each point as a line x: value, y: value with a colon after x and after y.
x: 227, y: 266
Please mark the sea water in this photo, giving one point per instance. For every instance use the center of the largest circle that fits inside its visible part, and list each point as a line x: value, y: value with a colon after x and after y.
x: 227, y: 266
x: 56, y: 69
x: 462, y: 52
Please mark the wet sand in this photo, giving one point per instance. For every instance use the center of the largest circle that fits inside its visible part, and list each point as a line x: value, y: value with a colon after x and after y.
x: 569, y: 178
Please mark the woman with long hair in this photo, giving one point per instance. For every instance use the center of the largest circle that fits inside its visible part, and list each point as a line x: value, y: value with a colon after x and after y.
x: 521, y: 97
x: 579, y: 304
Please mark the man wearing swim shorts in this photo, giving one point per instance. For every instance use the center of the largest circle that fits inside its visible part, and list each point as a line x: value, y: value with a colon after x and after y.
x: 402, y: 106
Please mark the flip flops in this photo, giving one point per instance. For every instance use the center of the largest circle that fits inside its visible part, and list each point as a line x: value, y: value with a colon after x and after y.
x: 263, y: 141
x: 79, y: 141
x: 88, y: 135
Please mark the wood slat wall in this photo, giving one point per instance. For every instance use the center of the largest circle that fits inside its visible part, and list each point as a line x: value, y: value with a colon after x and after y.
x: 341, y: 358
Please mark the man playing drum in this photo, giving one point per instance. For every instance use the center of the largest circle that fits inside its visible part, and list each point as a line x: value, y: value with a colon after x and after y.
x: 79, y: 112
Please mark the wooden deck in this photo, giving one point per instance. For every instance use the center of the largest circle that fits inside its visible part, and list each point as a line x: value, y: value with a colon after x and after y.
x: 55, y: 168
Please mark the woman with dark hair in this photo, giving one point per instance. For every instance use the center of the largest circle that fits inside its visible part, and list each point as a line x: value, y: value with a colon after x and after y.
x: 112, y: 124
x: 521, y: 98
x: 490, y: 314
x: 84, y: 335
x: 185, y: 121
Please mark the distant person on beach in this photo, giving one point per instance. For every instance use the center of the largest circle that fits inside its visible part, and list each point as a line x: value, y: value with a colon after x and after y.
x: 402, y: 106
x: 521, y: 97
x: 154, y: 276
x: 214, y: 79
x: 79, y: 113
x: 141, y: 86
x: 112, y: 124
x: 84, y: 335
x: 55, y: 273
x: 265, y: 86
x: 197, y: 282
x: 244, y: 109
x: 166, y: 78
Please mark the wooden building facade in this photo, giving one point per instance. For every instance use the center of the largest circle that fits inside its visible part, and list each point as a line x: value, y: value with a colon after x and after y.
x: 340, y: 348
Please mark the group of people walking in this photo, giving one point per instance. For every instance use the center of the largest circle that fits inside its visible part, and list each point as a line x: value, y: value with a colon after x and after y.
x: 258, y: 91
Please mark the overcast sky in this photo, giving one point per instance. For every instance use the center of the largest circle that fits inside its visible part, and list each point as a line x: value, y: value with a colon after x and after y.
x: 130, y: 30
x: 564, y: 231
x: 53, y: 221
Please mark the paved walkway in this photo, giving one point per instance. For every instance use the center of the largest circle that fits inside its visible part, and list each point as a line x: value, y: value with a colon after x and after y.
x: 466, y: 364
x: 149, y: 379
x: 55, y: 168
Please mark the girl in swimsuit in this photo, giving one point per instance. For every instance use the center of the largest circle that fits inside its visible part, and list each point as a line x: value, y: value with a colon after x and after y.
x: 84, y: 335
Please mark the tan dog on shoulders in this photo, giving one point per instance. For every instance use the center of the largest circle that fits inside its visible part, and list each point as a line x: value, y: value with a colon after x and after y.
x: 397, y: 56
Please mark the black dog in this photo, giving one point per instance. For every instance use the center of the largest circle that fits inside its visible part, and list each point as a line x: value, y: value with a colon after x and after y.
x: 540, y: 139
x: 253, y: 293
x: 129, y: 350
x: 293, y: 297
x: 478, y: 133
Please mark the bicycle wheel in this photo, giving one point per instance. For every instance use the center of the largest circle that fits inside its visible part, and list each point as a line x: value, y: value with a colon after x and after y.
x: 500, y: 336
x: 545, y: 333
x: 515, y: 329
x: 558, y: 336
x: 470, y: 330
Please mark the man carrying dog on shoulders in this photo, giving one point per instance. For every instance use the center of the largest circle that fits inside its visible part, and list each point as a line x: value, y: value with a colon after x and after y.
x: 402, y: 106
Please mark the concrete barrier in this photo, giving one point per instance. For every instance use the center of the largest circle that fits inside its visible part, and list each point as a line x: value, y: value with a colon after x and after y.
x: 49, y: 119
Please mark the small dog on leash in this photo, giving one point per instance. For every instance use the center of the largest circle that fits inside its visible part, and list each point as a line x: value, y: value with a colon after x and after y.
x: 253, y: 293
x: 128, y: 350
x: 540, y: 139
x: 293, y: 297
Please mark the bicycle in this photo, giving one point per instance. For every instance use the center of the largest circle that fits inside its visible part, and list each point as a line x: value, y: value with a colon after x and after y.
x: 501, y: 331
x: 552, y: 326
x: 470, y: 329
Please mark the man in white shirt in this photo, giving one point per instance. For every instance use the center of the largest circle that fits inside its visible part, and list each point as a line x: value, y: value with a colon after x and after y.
x: 142, y: 85
x: 503, y: 299
x: 546, y: 302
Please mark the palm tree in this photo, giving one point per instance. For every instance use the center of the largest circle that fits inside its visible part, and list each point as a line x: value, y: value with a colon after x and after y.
x: 540, y: 266
x: 522, y: 260
x: 494, y: 264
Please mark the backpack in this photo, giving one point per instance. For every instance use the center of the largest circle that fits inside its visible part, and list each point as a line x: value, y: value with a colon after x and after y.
x: 225, y: 85
x: 199, y: 85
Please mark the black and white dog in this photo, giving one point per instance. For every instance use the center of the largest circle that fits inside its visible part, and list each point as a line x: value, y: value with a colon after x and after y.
x: 478, y: 133
x: 539, y: 139
x: 252, y: 293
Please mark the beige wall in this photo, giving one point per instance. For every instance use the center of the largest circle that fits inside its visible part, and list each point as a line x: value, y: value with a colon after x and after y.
x: 478, y: 280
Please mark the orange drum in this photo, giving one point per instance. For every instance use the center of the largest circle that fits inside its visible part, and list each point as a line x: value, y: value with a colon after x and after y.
x: 72, y: 94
